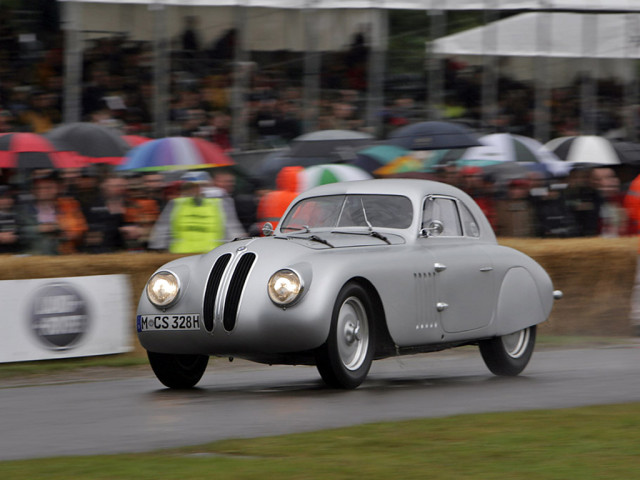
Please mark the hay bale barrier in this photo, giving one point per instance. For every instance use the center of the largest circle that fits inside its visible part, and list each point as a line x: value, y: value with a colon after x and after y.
x: 595, y: 274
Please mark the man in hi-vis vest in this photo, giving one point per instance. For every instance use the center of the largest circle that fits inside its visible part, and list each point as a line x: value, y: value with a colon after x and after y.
x: 190, y: 223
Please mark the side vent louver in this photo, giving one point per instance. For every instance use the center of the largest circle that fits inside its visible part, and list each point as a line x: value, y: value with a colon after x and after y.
x: 235, y: 290
x: 212, y: 290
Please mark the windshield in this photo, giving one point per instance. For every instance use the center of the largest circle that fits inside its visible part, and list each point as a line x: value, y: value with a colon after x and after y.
x: 337, y: 211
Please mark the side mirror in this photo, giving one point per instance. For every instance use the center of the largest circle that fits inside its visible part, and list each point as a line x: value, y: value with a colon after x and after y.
x: 434, y: 228
x: 267, y: 229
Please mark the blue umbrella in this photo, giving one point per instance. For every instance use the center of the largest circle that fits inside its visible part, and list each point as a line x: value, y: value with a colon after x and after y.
x: 433, y: 136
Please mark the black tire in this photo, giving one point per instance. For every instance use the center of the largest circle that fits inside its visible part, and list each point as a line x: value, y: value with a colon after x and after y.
x: 345, y: 358
x: 510, y: 354
x: 178, y: 371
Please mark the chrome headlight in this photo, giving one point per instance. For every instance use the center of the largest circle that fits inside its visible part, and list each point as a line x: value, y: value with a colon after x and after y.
x: 163, y: 289
x: 284, y: 287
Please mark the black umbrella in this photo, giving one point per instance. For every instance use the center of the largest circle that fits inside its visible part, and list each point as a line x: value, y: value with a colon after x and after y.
x: 329, y: 145
x: 435, y: 135
x: 97, y: 143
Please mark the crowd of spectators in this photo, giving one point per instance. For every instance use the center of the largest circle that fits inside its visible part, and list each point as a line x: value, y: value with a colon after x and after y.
x: 588, y: 203
x: 85, y: 211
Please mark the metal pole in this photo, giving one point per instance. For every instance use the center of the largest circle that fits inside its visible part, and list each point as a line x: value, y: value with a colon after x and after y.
x: 72, y: 108
x: 632, y: 27
x: 490, y: 65
x: 239, y: 130
x: 376, y: 69
x: 541, y: 75
x: 435, y: 90
x: 312, y: 60
x: 160, y: 70
x: 588, y: 101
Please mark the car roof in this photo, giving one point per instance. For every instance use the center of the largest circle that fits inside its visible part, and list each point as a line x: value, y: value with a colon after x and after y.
x: 398, y: 186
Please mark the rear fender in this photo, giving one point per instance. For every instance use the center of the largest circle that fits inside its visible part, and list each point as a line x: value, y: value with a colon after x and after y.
x: 519, y: 303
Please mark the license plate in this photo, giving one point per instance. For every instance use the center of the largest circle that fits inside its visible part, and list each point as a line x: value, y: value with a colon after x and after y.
x: 187, y: 321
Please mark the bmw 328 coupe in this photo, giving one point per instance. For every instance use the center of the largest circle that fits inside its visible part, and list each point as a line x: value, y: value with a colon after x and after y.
x: 354, y: 271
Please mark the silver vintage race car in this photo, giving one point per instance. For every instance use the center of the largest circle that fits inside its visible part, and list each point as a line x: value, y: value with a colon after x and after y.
x: 355, y: 271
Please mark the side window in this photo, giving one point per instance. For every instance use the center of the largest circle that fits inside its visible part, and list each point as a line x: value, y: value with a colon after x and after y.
x: 469, y: 223
x: 441, y: 211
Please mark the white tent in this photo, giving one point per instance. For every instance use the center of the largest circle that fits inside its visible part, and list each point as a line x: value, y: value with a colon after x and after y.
x: 563, y: 38
x: 570, y: 35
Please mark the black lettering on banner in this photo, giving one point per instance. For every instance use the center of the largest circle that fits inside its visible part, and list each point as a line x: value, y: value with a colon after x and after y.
x: 165, y: 322
x: 144, y: 323
x: 174, y: 323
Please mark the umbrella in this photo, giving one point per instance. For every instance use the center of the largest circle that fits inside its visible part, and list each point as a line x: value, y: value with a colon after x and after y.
x: 97, y: 143
x: 174, y: 153
x: 594, y: 150
x: 372, y: 158
x: 329, y: 173
x: 435, y: 135
x: 26, y: 150
x: 330, y: 145
x: 507, y: 147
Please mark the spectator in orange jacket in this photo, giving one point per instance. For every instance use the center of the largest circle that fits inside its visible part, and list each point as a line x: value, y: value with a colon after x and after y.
x: 632, y: 206
x: 273, y: 205
x: 51, y: 225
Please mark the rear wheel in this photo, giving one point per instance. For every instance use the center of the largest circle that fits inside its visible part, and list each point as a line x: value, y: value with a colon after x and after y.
x: 345, y: 358
x: 510, y: 354
x: 178, y: 371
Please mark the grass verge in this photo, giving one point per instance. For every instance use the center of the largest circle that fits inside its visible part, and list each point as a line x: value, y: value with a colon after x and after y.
x: 591, y: 442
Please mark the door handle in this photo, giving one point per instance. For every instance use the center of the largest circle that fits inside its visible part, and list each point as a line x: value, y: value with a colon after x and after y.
x: 486, y: 269
x: 441, y: 306
x: 439, y: 267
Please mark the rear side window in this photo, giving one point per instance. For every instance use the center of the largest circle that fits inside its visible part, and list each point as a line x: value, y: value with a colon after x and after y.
x: 469, y: 223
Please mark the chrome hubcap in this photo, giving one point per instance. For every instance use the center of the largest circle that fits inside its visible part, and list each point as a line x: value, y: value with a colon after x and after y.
x: 353, y: 333
x: 516, y: 343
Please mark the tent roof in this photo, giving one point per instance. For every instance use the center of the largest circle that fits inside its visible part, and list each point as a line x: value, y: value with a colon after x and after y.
x: 569, y: 35
x: 569, y: 5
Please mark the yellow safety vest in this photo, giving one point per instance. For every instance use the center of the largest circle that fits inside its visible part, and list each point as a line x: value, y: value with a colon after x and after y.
x: 196, y: 228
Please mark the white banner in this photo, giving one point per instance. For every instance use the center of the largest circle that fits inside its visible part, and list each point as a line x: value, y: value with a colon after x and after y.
x: 54, y: 318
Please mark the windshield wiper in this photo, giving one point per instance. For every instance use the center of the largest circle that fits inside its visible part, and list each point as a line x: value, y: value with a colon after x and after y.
x: 303, y: 228
x: 372, y: 232
x: 316, y: 238
x: 375, y: 234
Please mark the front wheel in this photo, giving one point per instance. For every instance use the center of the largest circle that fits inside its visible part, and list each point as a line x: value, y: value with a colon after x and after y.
x: 345, y: 358
x: 178, y: 371
x: 509, y: 355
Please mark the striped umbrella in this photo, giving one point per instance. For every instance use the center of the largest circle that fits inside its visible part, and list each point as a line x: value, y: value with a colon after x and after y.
x: 175, y: 153
x: 329, y: 173
x: 24, y: 150
x: 594, y: 150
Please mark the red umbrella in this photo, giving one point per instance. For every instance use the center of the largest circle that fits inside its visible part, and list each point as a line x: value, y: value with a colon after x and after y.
x: 26, y: 150
x: 135, y: 140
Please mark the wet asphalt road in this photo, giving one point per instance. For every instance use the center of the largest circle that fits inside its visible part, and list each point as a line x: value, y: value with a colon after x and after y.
x: 133, y: 413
